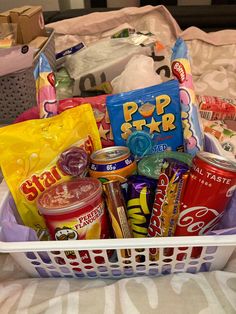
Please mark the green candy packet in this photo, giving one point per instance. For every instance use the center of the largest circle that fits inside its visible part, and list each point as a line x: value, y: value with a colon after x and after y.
x: 150, y: 166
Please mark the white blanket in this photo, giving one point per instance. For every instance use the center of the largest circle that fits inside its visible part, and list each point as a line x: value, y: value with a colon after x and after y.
x: 214, y: 72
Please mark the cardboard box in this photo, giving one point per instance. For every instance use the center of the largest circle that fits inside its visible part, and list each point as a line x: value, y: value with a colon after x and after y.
x: 38, y: 42
x: 5, y: 17
x: 15, y: 18
x: 30, y: 22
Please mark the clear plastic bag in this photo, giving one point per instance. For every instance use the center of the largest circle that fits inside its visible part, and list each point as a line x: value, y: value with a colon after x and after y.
x: 100, y: 62
x: 129, y: 80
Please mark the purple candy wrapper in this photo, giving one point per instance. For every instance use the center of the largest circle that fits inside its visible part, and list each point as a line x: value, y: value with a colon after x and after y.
x: 229, y: 218
x: 10, y: 229
x: 140, y: 198
x: 228, y: 231
x: 74, y: 161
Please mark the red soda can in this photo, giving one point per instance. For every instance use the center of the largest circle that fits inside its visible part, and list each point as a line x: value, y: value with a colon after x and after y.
x: 211, y: 184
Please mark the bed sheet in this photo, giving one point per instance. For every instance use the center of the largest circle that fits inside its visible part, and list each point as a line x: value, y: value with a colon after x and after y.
x: 203, y: 293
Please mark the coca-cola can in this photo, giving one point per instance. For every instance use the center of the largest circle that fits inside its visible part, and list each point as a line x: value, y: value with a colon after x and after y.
x: 210, y: 186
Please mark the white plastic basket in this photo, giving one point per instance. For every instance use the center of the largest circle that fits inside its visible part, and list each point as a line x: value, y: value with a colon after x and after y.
x: 105, y: 258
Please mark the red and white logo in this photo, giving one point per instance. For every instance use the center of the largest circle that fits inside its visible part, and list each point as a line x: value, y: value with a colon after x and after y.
x: 197, y: 220
x: 179, y: 71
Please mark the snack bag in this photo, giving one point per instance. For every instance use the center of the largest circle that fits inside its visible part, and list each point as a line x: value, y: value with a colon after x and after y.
x: 226, y: 137
x: 181, y: 69
x: 217, y: 108
x: 45, y: 88
x: 33, y: 157
x: 98, y: 104
x: 147, y: 120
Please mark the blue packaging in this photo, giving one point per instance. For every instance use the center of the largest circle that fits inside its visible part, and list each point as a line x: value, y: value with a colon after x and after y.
x: 147, y: 120
x: 70, y: 50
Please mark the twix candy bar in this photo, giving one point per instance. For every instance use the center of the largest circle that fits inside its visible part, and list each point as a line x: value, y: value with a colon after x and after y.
x: 140, y: 198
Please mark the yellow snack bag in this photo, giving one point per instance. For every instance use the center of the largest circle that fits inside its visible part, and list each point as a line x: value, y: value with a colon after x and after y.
x: 30, y: 152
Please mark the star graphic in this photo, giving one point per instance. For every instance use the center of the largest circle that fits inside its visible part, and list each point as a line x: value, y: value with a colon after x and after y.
x: 103, y: 132
x: 107, y: 118
x: 153, y: 126
x: 111, y: 134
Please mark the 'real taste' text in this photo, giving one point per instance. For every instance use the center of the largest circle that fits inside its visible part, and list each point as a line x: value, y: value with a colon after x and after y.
x: 212, y: 176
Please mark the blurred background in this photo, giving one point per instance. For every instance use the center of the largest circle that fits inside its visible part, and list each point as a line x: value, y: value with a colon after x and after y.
x: 61, y: 5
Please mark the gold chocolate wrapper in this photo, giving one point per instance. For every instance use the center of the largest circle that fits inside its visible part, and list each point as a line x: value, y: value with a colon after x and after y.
x: 117, y: 211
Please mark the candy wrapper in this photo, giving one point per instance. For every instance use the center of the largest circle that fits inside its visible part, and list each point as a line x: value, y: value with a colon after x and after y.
x: 117, y: 209
x: 147, y: 120
x: 45, y: 88
x: 217, y: 108
x: 227, y: 231
x: 74, y: 161
x: 98, y: 104
x: 150, y: 166
x: 140, y: 198
x: 64, y: 84
x: 229, y: 218
x: 30, y: 114
x: 181, y: 69
x: 33, y: 156
x: 169, y: 193
x: 225, y: 138
x: 10, y: 229
x: 117, y: 212
x: 170, y: 189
